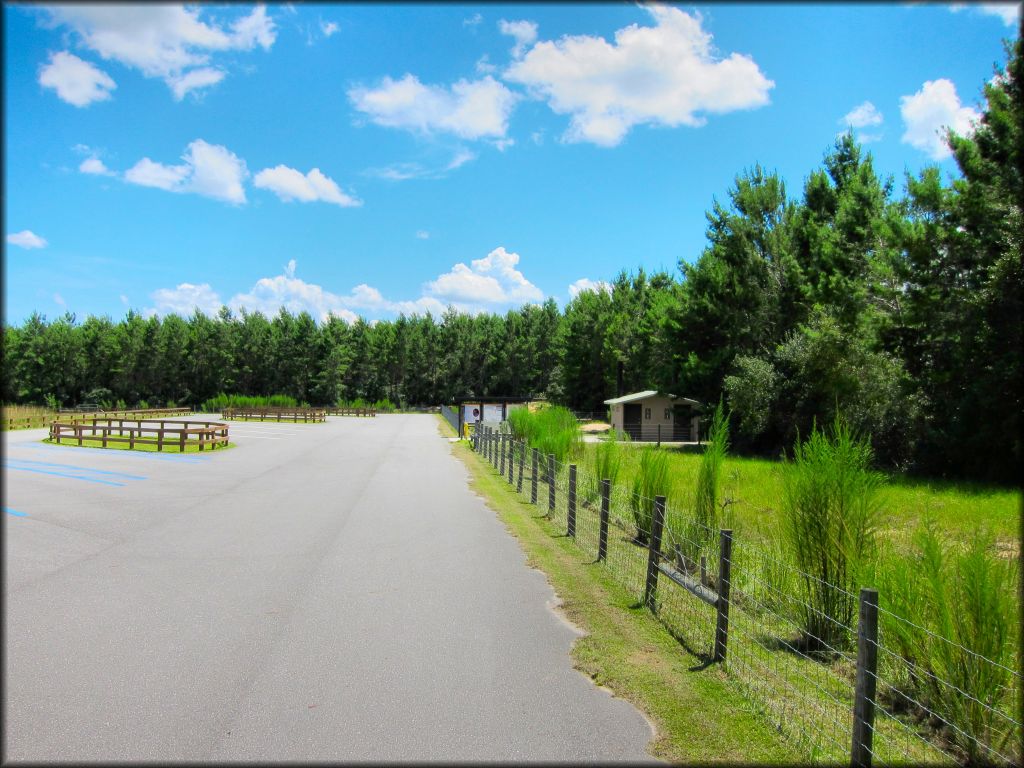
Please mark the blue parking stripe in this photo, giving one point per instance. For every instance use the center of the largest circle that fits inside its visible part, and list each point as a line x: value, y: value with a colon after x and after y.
x: 74, y: 466
x: 15, y: 512
x: 64, y: 474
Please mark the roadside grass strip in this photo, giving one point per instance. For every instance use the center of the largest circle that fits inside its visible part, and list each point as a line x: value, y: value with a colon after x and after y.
x: 698, y: 714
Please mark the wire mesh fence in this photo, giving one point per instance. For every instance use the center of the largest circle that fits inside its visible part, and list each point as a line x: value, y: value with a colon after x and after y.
x: 796, y: 658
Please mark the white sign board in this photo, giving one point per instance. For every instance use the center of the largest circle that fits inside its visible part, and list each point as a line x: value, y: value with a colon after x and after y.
x: 492, y: 412
x: 471, y: 414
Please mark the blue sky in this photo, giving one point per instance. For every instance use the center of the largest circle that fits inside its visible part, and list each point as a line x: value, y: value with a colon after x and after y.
x: 373, y: 159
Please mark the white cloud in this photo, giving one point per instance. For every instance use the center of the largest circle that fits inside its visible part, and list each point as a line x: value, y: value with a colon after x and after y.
x: 470, y: 110
x: 76, y: 81
x: 405, y: 171
x: 490, y: 280
x: 663, y: 75
x: 484, y: 66
x: 209, y: 170
x: 290, y: 184
x: 862, y: 116
x: 524, y: 32
x: 59, y: 300
x: 585, y: 284
x: 473, y: 20
x: 422, y: 234
x: 1008, y: 12
x: 165, y: 41
x: 124, y: 300
x: 95, y: 166
x: 328, y: 27
x: 928, y: 112
x: 185, y: 299
x: 203, y: 77
x: 26, y: 239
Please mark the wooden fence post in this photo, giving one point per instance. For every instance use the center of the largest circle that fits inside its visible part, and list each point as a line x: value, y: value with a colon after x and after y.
x: 511, y: 458
x: 654, y: 553
x: 867, y: 670
x: 551, y: 483
x: 602, y: 538
x: 522, y: 460
x: 501, y: 468
x: 533, y: 476
x: 570, y: 514
x: 724, y: 584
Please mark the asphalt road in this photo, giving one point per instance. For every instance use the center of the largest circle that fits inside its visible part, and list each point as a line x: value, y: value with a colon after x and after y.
x: 321, y: 592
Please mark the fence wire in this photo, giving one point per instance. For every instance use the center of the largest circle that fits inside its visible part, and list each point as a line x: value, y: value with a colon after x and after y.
x: 802, y: 682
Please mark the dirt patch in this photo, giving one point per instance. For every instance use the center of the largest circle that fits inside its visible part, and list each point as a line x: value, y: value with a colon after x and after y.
x: 595, y: 426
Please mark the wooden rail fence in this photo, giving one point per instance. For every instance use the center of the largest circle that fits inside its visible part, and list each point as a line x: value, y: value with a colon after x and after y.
x: 270, y: 413
x: 130, y: 413
x: 352, y: 411
x: 162, y: 433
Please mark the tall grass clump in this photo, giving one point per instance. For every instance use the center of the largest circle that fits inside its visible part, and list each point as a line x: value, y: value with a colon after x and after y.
x: 550, y: 430
x: 694, y: 533
x: 965, y: 615
x: 829, y: 519
x: 651, y: 479
x: 607, y: 465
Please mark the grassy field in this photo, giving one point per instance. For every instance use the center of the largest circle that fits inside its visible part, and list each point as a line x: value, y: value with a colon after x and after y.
x: 191, y: 446
x: 698, y: 714
x: 755, y: 489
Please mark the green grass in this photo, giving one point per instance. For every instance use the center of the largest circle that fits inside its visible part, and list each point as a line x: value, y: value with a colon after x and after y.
x: 699, y: 716
x: 191, y: 446
x: 753, y: 490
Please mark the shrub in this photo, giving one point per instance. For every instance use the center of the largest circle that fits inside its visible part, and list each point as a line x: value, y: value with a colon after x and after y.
x: 551, y: 430
x: 651, y: 480
x: 222, y: 401
x: 829, y: 518
x: 966, y: 597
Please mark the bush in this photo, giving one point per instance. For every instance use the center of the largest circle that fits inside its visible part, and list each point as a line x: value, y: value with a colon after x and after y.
x: 222, y: 401
x: 966, y: 597
x: 829, y: 518
x: 651, y: 480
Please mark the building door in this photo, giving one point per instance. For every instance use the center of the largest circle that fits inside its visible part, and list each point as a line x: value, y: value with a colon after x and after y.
x: 632, y: 414
x: 682, y: 419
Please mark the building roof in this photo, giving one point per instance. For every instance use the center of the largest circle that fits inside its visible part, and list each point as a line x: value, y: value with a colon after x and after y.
x: 647, y: 393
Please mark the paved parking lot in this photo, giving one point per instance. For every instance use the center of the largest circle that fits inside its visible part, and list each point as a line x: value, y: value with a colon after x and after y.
x: 321, y: 592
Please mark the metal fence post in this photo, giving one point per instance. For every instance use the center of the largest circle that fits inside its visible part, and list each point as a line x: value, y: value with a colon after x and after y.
x: 659, y: 437
x: 724, y: 584
x: 867, y: 670
x: 511, y: 457
x: 602, y: 538
x: 501, y: 467
x: 570, y: 513
x: 654, y: 552
x: 533, y: 477
x: 551, y: 482
x: 522, y: 460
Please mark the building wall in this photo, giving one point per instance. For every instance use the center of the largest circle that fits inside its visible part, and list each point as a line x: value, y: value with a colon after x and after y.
x: 653, y: 411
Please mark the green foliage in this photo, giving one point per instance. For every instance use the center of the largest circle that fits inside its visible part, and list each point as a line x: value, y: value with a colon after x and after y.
x: 607, y: 465
x: 964, y: 616
x: 551, y: 430
x: 221, y: 401
x: 652, y: 479
x: 829, y: 520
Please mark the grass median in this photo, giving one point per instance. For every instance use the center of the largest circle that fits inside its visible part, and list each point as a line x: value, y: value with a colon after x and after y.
x: 698, y: 714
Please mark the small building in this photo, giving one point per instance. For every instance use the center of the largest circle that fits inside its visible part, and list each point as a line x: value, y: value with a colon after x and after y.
x: 653, y: 415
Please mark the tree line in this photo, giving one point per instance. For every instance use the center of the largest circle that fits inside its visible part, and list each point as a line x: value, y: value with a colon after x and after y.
x: 901, y: 311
